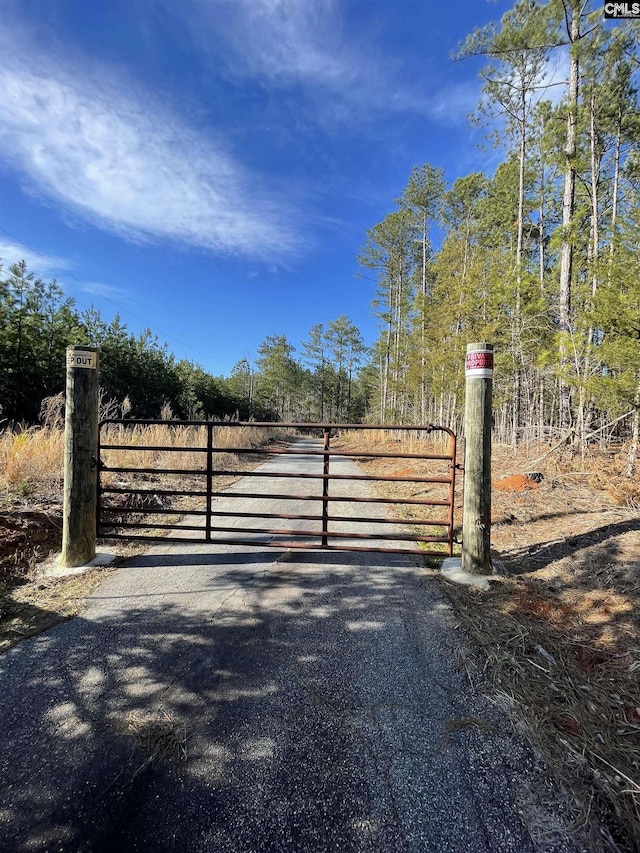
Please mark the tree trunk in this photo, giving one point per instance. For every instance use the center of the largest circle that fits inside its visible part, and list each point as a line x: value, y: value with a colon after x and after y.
x: 586, y: 409
x: 616, y: 182
x: 568, y: 209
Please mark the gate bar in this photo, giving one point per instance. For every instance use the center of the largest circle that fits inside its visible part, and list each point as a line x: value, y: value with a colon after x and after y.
x: 275, y: 474
x: 303, y: 427
x: 314, y: 534
x: 201, y: 512
x: 344, y: 498
x: 282, y: 546
x: 184, y: 448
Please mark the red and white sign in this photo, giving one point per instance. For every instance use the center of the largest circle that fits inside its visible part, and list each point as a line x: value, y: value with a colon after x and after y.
x: 479, y: 363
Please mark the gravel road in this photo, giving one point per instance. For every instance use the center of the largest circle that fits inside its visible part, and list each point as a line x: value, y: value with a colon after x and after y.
x: 309, y: 701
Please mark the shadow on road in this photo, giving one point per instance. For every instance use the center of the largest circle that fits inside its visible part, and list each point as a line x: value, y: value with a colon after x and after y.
x: 316, y: 703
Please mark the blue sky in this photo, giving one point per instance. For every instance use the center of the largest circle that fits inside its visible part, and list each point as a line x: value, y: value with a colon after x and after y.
x: 209, y: 168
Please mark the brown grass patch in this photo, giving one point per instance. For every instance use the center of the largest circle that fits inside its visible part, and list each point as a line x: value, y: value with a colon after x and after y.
x: 396, y: 488
x: 404, y: 472
x: 159, y: 735
x: 35, y: 604
x: 31, y: 461
x: 566, y: 658
x: 561, y: 633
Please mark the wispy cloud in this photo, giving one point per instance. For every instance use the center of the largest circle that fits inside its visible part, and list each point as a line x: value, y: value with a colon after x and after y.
x: 41, y: 266
x: 307, y: 43
x: 109, y: 291
x: 451, y: 104
x: 51, y: 267
x: 280, y: 40
x: 554, y: 79
x: 125, y: 162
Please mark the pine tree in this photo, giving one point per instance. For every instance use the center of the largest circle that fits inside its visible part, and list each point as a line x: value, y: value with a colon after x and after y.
x: 390, y: 251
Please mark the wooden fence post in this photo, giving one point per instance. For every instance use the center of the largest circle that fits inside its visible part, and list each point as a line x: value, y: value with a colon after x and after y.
x: 476, y: 519
x: 80, y: 452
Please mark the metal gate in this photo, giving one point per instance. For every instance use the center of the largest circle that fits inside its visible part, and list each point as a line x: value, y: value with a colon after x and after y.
x: 143, y: 502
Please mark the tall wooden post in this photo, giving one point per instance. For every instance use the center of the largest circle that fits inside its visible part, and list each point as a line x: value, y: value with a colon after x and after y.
x: 476, y: 519
x: 80, y: 462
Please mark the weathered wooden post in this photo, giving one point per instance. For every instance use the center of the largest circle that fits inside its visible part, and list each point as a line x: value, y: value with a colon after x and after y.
x: 476, y: 519
x: 80, y: 463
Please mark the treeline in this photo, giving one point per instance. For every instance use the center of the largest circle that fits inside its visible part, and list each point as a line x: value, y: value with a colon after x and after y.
x: 37, y: 323
x: 542, y: 257
x: 330, y: 382
x: 139, y: 377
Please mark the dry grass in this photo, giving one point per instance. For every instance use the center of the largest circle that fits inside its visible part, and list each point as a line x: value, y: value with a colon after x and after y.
x: 192, y: 440
x: 562, y: 629
x: 234, y: 444
x: 407, y: 441
x: 159, y: 735
x: 31, y: 461
x: 39, y: 603
x: 575, y: 684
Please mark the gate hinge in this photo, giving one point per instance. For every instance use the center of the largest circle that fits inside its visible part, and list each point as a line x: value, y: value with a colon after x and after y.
x: 99, y: 462
x: 459, y: 466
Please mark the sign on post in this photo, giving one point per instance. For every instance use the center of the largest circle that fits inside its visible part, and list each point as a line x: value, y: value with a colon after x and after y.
x: 479, y: 363
x: 87, y: 359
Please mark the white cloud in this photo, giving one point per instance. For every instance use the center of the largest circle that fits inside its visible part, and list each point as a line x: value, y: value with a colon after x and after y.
x: 304, y: 42
x: 49, y: 267
x: 554, y: 79
x: 131, y: 165
x: 281, y: 40
x: 52, y: 267
x: 451, y: 104
x: 109, y: 291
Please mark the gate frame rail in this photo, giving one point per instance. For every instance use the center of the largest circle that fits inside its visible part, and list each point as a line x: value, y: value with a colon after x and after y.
x: 103, y: 526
